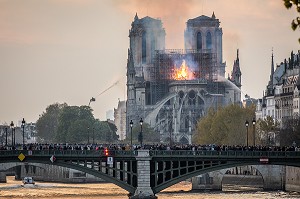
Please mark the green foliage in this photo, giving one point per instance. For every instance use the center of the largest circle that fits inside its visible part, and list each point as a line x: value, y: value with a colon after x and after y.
x: 78, y: 132
x: 68, y: 116
x: 290, y: 132
x: 109, y: 131
x: 289, y: 4
x: 48, y: 122
x: 149, y: 135
x: 225, y: 126
x: 265, y: 128
x: 73, y: 124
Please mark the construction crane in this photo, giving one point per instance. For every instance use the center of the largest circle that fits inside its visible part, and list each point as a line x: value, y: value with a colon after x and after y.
x: 93, y: 99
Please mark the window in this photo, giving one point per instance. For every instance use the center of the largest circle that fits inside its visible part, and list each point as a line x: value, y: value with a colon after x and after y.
x: 144, y: 48
x: 199, y: 41
x: 208, y: 41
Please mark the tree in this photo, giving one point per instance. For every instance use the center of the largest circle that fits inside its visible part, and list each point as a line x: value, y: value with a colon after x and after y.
x: 109, y: 131
x: 225, y: 126
x: 79, y: 132
x: 71, y: 116
x: 47, y: 123
x: 290, y: 133
x: 289, y: 4
x: 267, y: 130
x: 74, y: 124
x: 149, y: 135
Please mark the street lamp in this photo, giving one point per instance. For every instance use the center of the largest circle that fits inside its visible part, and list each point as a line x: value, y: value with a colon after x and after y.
x: 88, y: 135
x: 23, y: 126
x: 247, y: 124
x: 14, y: 135
x: 12, y: 132
x: 141, y: 133
x: 5, y: 136
x: 131, y: 125
x: 93, y: 135
x: 253, y: 123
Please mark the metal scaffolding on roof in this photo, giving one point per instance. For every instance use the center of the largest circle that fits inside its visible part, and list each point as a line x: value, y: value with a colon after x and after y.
x: 160, y: 73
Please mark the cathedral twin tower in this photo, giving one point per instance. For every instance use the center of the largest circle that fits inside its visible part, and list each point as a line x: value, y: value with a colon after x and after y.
x: 172, y: 89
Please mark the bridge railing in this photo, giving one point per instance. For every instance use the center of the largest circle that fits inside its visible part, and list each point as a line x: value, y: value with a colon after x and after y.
x: 225, y: 153
x: 153, y: 153
x: 98, y: 153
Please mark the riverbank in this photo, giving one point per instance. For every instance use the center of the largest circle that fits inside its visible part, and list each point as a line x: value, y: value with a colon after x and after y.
x: 15, y: 190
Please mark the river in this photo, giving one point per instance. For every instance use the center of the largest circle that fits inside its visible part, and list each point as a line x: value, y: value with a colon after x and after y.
x: 14, y: 189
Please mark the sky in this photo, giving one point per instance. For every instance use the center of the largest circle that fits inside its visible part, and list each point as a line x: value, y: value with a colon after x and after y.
x: 56, y: 51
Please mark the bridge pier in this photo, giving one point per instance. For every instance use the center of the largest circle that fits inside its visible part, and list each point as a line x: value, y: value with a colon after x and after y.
x: 208, y: 181
x: 273, y: 176
x: 2, y: 177
x: 143, y: 190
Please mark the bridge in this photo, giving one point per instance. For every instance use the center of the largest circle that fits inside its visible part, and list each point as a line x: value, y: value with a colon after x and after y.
x: 143, y: 173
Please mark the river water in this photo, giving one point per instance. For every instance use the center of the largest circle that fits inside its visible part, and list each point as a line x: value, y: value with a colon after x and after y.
x: 41, y: 190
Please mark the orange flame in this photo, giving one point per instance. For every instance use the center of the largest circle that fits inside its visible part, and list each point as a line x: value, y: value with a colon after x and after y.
x: 183, y: 73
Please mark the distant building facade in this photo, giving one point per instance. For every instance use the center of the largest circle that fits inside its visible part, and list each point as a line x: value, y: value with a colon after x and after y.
x: 29, y: 134
x: 281, y: 98
x: 110, y: 115
x: 120, y: 119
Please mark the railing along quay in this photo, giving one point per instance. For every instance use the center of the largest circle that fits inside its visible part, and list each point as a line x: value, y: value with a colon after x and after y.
x: 75, y: 153
x: 153, y: 153
x: 229, y: 153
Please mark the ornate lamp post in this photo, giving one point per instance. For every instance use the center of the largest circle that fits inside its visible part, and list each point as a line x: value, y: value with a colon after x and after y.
x: 5, y: 136
x: 131, y: 125
x: 93, y: 135
x: 141, y: 133
x: 23, y: 126
x: 247, y: 124
x: 15, y: 136
x: 12, y: 132
x: 88, y: 141
x: 253, y: 123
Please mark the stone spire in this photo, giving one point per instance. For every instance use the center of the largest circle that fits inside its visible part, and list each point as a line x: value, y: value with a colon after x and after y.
x: 269, y: 90
x: 213, y: 15
x: 272, y: 67
x: 130, y: 63
x: 236, y: 71
x: 136, y: 17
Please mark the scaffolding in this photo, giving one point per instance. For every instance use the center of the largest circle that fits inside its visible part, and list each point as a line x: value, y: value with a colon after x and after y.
x: 160, y: 73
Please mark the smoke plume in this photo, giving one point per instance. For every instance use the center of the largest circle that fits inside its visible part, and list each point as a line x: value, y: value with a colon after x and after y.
x: 173, y: 13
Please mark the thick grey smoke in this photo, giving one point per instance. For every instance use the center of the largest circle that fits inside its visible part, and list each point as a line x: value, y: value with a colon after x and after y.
x: 173, y: 13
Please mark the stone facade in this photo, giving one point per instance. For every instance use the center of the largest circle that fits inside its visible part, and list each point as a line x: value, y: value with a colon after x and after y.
x: 172, y: 89
x: 292, y: 179
x: 120, y: 119
x: 281, y: 98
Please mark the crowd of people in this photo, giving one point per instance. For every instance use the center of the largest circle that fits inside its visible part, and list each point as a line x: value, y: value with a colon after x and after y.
x: 191, y: 147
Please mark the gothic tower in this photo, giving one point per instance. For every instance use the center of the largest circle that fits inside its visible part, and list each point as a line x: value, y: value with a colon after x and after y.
x: 146, y: 35
x: 236, y: 72
x: 204, y: 34
x: 236, y: 78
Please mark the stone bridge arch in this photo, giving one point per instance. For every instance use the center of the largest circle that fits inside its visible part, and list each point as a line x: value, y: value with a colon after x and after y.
x: 271, y: 181
x: 151, y: 171
x: 6, y: 166
x: 74, y: 166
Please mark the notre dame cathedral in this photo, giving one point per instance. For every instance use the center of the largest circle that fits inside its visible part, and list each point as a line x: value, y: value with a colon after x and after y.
x: 171, y: 89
